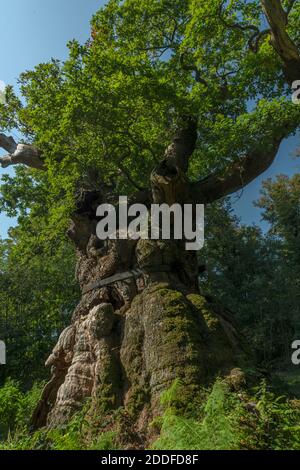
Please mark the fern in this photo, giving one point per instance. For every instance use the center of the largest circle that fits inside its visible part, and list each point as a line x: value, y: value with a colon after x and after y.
x: 215, y: 431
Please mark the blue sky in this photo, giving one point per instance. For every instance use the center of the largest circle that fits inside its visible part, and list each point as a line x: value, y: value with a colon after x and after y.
x: 33, y: 31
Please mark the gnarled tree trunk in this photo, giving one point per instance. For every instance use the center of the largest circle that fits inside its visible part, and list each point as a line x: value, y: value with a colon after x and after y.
x: 129, y: 339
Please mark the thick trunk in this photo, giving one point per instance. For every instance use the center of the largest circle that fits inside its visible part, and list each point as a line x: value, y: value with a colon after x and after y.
x: 129, y: 340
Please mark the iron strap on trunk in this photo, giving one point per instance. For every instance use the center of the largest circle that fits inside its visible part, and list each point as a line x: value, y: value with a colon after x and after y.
x: 132, y: 274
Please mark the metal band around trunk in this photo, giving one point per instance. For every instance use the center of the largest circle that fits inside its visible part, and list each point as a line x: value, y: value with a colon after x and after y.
x: 134, y: 273
x: 115, y: 278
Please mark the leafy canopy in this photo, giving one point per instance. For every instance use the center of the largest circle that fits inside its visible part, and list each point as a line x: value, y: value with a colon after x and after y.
x: 107, y: 113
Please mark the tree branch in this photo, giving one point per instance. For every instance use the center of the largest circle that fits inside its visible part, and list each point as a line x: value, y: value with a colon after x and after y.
x: 168, y: 180
x: 256, y: 38
x: 193, y: 68
x: 240, y: 174
x: 280, y: 39
x: 20, y: 154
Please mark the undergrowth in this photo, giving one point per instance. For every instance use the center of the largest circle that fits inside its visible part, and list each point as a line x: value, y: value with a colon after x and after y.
x: 225, y: 420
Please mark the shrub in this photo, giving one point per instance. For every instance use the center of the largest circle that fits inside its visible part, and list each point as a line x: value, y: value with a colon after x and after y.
x: 16, y: 407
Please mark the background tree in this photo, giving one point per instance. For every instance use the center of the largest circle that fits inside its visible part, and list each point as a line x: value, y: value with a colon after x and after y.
x: 254, y: 275
x: 38, y: 294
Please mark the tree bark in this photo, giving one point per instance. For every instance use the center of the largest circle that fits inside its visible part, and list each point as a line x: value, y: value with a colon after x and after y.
x: 130, y: 340
x: 284, y: 46
x: 20, y: 154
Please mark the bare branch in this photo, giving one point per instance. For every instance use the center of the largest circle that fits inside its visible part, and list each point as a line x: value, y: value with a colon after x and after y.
x: 290, y: 6
x: 20, y: 154
x: 8, y: 143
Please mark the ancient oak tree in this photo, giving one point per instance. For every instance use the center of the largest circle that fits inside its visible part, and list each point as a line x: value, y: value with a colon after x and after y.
x: 175, y: 101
